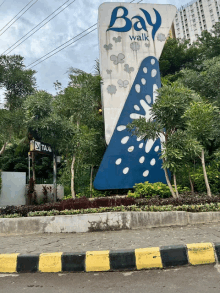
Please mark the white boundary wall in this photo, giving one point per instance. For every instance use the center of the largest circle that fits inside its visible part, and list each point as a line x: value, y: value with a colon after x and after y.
x: 13, y: 188
x: 40, y: 195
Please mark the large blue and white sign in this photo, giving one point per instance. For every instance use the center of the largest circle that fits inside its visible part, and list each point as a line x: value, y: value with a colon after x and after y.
x: 131, y: 38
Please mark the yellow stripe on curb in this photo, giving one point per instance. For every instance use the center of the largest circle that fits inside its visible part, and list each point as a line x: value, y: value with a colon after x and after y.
x: 8, y: 263
x: 147, y: 258
x: 97, y: 261
x: 201, y: 253
x: 50, y: 262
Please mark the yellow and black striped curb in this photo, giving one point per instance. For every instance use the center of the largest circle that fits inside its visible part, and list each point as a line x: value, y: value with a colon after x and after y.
x: 111, y: 260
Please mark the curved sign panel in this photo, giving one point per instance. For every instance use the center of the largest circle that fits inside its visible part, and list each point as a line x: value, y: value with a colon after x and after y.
x: 131, y: 39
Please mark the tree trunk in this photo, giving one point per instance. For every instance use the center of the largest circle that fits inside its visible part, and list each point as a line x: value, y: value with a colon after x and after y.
x: 174, y: 180
x: 73, y: 170
x: 3, y: 148
x: 72, y: 177
x: 205, y: 175
x: 191, y: 184
x: 91, y: 182
x: 168, y: 182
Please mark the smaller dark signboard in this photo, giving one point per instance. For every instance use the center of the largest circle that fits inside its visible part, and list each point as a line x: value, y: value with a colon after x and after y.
x: 40, y: 147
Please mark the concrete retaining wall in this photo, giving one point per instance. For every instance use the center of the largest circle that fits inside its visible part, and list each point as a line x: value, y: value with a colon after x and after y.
x: 103, y: 222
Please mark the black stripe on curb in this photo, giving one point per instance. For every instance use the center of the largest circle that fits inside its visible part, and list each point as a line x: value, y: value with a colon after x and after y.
x: 27, y: 263
x: 73, y: 262
x: 174, y: 255
x: 217, y: 250
x: 122, y: 259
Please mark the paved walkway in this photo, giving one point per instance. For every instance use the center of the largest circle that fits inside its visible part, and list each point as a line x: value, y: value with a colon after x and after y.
x: 126, y: 239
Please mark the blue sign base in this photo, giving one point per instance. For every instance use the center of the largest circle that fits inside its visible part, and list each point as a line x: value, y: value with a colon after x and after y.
x: 128, y: 159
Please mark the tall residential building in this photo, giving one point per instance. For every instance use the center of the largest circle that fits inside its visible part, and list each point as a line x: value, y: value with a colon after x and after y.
x: 194, y: 17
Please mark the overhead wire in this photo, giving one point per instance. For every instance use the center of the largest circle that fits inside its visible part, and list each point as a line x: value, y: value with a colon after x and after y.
x: 38, y: 28
x: 17, y: 18
x: 64, y: 44
x: 16, y: 14
x: 2, y: 3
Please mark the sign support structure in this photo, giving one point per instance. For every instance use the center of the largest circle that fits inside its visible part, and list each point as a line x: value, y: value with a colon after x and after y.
x: 45, y: 149
x: 54, y: 176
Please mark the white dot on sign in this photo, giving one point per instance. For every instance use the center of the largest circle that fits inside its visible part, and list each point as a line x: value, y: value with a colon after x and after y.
x: 143, y: 81
x: 152, y: 162
x: 137, y: 88
x: 155, y: 93
x: 148, y: 99
x: 141, y: 145
x: 125, y: 139
x: 134, y: 116
x: 136, y: 107
x: 153, y: 72
x: 118, y: 161
x: 156, y: 148
x: 145, y: 174
x: 145, y: 69
x: 152, y: 61
x: 131, y: 148
x: 142, y: 159
x: 139, y: 139
x: 125, y: 171
x: 121, y: 127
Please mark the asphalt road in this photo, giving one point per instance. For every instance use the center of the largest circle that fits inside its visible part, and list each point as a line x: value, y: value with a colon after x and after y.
x: 201, y: 279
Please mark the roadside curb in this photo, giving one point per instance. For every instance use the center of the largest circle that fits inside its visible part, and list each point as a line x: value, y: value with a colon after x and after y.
x: 107, y: 221
x: 112, y: 260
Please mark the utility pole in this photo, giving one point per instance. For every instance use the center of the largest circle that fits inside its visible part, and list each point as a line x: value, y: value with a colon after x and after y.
x: 29, y: 166
x: 54, y: 176
x: 33, y: 166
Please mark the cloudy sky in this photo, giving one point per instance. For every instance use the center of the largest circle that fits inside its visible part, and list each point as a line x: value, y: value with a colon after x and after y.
x: 77, y: 17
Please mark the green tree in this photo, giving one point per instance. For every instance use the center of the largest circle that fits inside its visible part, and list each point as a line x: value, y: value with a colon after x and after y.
x: 208, y: 43
x: 80, y: 104
x: 206, y: 81
x: 177, y: 55
x: 71, y: 122
x: 17, y: 82
x: 201, y: 124
x: 11, y: 127
x: 180, y: 151
x: 166, y: 118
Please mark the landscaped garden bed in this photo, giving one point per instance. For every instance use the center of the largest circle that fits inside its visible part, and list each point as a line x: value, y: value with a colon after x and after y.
x: 99, y: 205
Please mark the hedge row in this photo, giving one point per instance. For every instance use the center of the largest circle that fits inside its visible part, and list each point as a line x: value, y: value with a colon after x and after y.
x: 212, y: 207
x: 84, y: 203
x: 69, y: 204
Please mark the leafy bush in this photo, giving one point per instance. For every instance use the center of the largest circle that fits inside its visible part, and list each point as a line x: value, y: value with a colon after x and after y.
x: 69, y: 204
x: 213, y: 173
x: 67, y: 197
x: 212, y: 207
x: 148, y: 190
x: 213, y: 177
